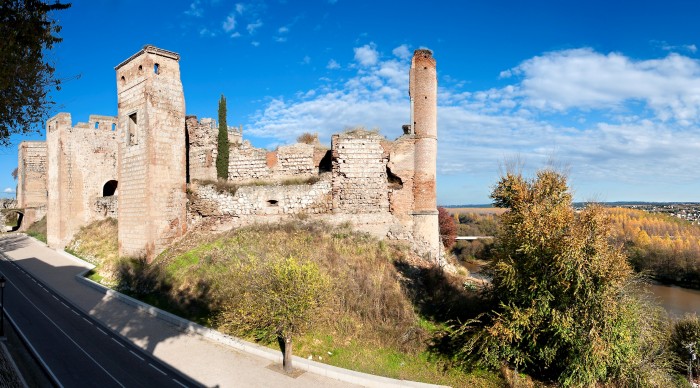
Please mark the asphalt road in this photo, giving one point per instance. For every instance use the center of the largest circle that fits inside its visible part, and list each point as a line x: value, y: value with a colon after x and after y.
x: 77, y: 350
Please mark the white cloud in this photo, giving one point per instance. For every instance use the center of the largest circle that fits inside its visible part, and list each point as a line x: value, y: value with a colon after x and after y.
x: 616, y: 121
x: 585, y: 79
x: 195, y: 9
x: 283, y: 30
x: 230, y: 23
x: 691, y: 48
x: 306, y: 60
x: 366, y: 55
x: 255, y: 43
x: 280, y: 39
x: 206, y: 32
x: 236, y: 34
x: 8, y: 190
x: 402, y: 52
x: 332, y: 64
x: 252, y: 27
x: 240, y: 8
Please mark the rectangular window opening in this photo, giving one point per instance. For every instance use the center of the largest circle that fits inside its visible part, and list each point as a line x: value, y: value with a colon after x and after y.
x: 133, y: 129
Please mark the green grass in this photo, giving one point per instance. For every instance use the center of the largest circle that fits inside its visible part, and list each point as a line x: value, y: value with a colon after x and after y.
x: 371, y: 324
x: 38, y: 230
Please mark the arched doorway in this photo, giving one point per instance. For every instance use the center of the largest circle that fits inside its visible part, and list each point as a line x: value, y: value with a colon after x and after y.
x: 109, y: 189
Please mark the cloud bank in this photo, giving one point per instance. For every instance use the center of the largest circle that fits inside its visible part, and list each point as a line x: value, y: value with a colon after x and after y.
x: 611, y: 118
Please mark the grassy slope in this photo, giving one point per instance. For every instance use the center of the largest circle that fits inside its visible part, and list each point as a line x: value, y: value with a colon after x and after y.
x: 371, y: 324
x: 38, y: 230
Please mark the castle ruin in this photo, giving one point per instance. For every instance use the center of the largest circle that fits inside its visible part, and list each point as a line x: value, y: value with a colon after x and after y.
x: 152, y: 168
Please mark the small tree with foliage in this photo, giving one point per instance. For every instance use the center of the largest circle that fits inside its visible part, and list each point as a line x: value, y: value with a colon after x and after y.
x: 282, y: 298
x: 307, y: 138
x: 15, y: 173
x: 27, y: 33
x: 448, y: 228
x: 564, y: 309
x: 222, y: 142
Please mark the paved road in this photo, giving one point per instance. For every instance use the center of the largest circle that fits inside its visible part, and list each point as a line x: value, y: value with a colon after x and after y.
x: 204, y: 361
x: 78, y: 350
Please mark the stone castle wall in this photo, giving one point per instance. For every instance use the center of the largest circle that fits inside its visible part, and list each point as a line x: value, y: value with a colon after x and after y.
x: 150, y: 151
x: 152, y: 202
x: 359, y: 173
x: 82, y: 159
x: 31, y: 174
x: 202, y: 148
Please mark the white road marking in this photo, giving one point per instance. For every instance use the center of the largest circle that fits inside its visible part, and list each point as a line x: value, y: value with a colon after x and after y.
x: 54, y: 296
x: 65, y: 305
x: 87, y: 320
x: 102, y: 331
x: 154, y: 367
x: 136, y: 355
x: 66, y: 334
x: 181, y: 384
x: 118, y: 343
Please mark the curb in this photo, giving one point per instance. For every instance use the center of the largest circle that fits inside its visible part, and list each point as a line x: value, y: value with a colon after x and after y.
x: 330, y: 371
x: 318, y: 368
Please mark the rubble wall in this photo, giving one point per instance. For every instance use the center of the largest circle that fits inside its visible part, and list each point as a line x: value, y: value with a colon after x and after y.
x: 202, y: 148
x: 359, y: 173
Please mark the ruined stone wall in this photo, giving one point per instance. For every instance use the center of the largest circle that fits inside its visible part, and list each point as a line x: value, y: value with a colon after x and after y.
x: 81, y: 160
x: 359, y: 173
x: 262, y: 200
x: 31, y: 174
x: 246, y: 162
x: 401, y: 166
x: 295, y: 160
x: 152, y: 173
x: 202, y: 148
x: 106, y: 207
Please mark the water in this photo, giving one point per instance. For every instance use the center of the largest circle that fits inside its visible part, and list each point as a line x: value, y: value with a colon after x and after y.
x: 678, y: 301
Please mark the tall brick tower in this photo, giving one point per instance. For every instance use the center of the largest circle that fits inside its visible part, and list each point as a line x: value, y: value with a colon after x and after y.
x: 423, y: 92
x: 152, y: 154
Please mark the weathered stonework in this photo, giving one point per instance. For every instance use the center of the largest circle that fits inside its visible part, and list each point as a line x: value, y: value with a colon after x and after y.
x: 152, y: 174
x: 201, y: 148
x: 136, y: 167
x: 81, y: 161
x: 359, y: 173
x: 31, y: 174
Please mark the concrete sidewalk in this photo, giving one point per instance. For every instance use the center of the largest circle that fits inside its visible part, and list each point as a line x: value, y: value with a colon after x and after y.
x: 205, y: 361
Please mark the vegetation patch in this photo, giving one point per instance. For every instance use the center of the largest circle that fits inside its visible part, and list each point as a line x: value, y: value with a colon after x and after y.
x: 38, y: 230
x: 379, y: 313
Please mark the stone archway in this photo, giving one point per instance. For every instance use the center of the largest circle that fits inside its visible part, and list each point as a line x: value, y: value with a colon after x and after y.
x: 110, y: 188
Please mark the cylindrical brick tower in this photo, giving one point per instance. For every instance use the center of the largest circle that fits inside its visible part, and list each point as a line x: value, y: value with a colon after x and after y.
x: 423, y: 93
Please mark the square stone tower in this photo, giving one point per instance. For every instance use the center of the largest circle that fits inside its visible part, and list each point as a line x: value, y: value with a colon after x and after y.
x: 152, y: 171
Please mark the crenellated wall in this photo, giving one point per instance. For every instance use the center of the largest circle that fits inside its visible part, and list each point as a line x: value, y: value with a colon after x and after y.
x: 81, y: 160
x: 136, y: 167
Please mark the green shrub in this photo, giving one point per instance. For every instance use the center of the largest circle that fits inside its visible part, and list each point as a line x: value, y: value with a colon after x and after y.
x: 685, y: 338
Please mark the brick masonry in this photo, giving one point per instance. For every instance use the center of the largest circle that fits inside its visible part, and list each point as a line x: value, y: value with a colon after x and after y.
x: 151, y: 151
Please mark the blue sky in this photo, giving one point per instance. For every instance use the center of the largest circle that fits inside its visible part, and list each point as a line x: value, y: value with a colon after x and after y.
x: 610, y: 90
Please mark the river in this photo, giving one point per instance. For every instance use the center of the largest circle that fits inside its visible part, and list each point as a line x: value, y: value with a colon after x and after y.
x: 678, y: 301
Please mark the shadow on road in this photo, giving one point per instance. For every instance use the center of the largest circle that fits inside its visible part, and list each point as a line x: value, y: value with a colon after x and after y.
x: 58, y: 272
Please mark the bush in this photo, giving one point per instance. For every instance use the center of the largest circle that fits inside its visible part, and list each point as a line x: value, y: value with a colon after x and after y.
x: 685, y: 337
x: 308, y: 138
x: 564, y: 309
x: 448, y: 230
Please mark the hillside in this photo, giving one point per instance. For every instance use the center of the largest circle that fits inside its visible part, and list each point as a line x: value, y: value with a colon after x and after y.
x: 384, y: 311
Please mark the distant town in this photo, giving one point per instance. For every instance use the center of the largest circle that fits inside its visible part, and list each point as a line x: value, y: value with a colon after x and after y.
x: 689, y: 211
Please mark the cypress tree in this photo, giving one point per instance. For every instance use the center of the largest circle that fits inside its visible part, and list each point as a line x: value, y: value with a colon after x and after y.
x: 222, y: 142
